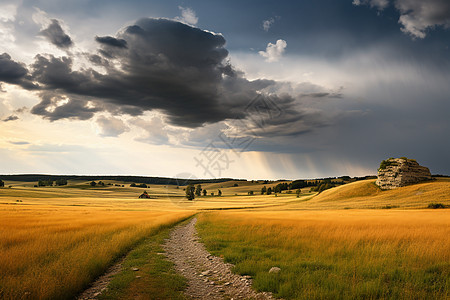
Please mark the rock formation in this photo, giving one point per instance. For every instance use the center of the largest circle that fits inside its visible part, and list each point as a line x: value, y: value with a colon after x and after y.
x: 398, y: 172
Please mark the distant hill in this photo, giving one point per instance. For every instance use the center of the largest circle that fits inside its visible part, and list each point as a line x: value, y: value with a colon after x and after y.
x: 365, y: 194
x: 137, y: 179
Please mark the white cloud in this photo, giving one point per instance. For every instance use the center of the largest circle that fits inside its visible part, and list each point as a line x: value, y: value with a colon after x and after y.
x: 274, y: 51
x: 187, y: 16
x: 268, y: 23
x: 8, y: 14
x: 111, y: 126
x: 40, y: 17
x: 379, y: 4
x: 416, y: 16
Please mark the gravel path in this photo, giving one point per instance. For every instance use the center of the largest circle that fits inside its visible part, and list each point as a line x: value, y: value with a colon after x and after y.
x: 208, y: 276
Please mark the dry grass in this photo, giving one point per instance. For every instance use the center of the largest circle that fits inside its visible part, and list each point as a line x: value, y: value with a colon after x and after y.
x: 365, y: 194
x: 49, y: 252
x: 337, y: 254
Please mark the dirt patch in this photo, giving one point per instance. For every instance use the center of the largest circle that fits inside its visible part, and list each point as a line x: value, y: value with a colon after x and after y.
x: 209, y: 277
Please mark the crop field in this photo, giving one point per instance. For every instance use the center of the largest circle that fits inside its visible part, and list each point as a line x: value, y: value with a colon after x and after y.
x: 342, y: 243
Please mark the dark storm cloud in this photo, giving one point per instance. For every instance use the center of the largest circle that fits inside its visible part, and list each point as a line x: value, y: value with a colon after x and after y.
x: 54, y: 107
x: 155, y: 64
x: 56, y: 35
x: 10, y: 118
x: 110, y: 41
x: 14, y: 72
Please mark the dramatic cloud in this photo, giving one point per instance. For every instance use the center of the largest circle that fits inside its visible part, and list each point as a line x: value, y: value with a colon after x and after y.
x: 176, y: 71
x: 111, y: 126
x: 56, y: 35
x: 416, y: 16
x: 156, y: 64
x: 187, y: 16
x: 11, y: 118
x: 274, y: 51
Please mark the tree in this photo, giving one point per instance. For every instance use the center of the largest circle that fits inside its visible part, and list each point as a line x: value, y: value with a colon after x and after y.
x: 250, y: 193
x: 2, y: 184
x: 204, y: 192
x: 263, y: 190
x: 220, y: 193
x: 93, y: 183
x: 190, y: 192
x: 212, y: 193
x: 198, y: 190
x: 133, y: 185
x: 269, y: 191
x: 298, y: 192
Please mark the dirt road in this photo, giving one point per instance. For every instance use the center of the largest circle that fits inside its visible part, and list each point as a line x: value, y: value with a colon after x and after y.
x: 208, y: 276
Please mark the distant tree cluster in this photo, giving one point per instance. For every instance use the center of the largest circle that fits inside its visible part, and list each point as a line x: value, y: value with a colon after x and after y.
x: 198, y: 190
x: 267, y: 191
x: 100, y: 183
x: 61, y: 181
x: 141, y: 185
x: 322, y: 186
x: 2, y: 184
x: 281, y: 187
x: 47, y: 182
x: 190, y: 192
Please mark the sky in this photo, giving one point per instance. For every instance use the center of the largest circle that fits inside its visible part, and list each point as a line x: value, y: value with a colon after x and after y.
x: 212, y: 89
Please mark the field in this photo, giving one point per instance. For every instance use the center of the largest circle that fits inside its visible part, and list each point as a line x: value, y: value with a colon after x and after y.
x: 358, y: 254
x: 342, y: 243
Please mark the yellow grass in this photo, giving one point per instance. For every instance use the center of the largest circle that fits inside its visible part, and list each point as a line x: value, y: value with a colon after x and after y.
x: 337, y: 254
x: 55, y: 240
x: 49, y: 252
x: 365, y: 194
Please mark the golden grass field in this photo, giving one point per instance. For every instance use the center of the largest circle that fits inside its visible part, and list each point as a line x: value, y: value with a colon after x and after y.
x: 337, y: 254
x: 339, y: 244
x: 53, y: 247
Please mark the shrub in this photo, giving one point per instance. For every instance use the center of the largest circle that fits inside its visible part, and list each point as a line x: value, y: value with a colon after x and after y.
x: 436, y: 205
x: 386, y: 163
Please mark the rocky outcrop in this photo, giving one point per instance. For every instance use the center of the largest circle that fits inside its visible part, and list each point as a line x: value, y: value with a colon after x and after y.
x: 398, y: 172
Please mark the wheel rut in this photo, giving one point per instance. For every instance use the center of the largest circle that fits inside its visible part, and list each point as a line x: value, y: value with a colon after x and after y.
x: 209, y: 277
